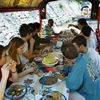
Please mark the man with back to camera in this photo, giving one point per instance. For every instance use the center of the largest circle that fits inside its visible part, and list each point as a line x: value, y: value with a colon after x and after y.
x: 78, y: 81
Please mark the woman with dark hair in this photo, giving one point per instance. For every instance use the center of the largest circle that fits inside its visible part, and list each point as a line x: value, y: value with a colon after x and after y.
x: 90, y: 36
x: 36, y: 28
x: 87, y: 31
x: 80, y: 23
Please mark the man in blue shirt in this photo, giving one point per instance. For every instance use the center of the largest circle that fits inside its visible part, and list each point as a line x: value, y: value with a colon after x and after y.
x: 93, y: 56
x: 78, y: 79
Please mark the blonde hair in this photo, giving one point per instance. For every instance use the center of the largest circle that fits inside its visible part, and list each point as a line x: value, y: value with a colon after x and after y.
x: 14, y: 44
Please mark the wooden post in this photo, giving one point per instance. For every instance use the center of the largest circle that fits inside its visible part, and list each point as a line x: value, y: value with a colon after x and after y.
x: 40, y: 15
x: 98, y: 24
x: 98, y: 29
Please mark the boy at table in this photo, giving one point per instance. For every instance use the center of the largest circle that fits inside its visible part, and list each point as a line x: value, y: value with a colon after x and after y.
x: 78, y: 81
x: 26, y: 34
x: 80, y: 43
x: 38, y: 40
x: 48, y: 27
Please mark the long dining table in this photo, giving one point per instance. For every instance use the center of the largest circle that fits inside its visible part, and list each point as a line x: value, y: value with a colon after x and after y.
x: 31, y: 81
x: 38, y: 88
x: 35, y: 89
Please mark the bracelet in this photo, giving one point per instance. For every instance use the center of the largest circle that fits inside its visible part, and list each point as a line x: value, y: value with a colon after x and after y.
x: 14, y: 71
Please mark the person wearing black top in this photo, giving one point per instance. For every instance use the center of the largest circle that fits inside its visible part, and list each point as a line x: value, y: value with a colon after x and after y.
x: 36, y: 28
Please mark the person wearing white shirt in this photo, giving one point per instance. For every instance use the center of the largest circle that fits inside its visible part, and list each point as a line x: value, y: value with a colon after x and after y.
x: 80, y: 43
x: 26, y: 34
x: 23, y: 59
x: 88, y: 33
x: 94, y: 55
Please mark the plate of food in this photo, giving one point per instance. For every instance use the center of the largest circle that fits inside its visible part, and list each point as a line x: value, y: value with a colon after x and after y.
x: 61, y: 74
x: 54, y: 95
x: 51, y: 64
x: 38, y: 59
x: 48, y: 80
x: 51, y: 59
x: 16, y: 91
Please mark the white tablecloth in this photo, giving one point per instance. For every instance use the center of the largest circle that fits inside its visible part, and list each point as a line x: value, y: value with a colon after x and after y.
x: 59, y: 86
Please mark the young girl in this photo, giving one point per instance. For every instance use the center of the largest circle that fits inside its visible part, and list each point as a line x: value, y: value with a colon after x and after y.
x: 4, y: 71
x: 15, y: 49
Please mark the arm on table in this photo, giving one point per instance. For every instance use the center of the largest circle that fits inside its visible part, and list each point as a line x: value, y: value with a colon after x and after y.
x: 27, y: 71
x: 14, y: 73
x: 3, y: 82
x: 2, y: 88
x: 75, y: 78
x: 28, y: 54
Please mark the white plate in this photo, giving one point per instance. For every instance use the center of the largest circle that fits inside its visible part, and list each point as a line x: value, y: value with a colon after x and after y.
x: 50, y: 65
x: 63, y: 97
x: 16, y: 97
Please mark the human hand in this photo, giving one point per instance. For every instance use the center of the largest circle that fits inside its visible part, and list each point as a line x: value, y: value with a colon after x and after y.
x: 70, y: 25
x: 29, y: 70
x: 59, y: 67
x: 5, y: 71
x: 46, y: 49
x: 12, y: 65
x: 54, y: 41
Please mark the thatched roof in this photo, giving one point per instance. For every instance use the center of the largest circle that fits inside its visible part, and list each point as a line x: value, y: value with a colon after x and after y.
x: 23, y: 3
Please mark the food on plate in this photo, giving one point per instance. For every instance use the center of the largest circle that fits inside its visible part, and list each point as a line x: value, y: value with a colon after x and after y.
x: 16, y: 90
x: 51, y: 58
x: 61, y: 74
x: 29, y: 65
x: 49, y: 97
x: 48, y: 80
x: 39, y: 73
x: 28, y: 81
x: 55, y: 95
